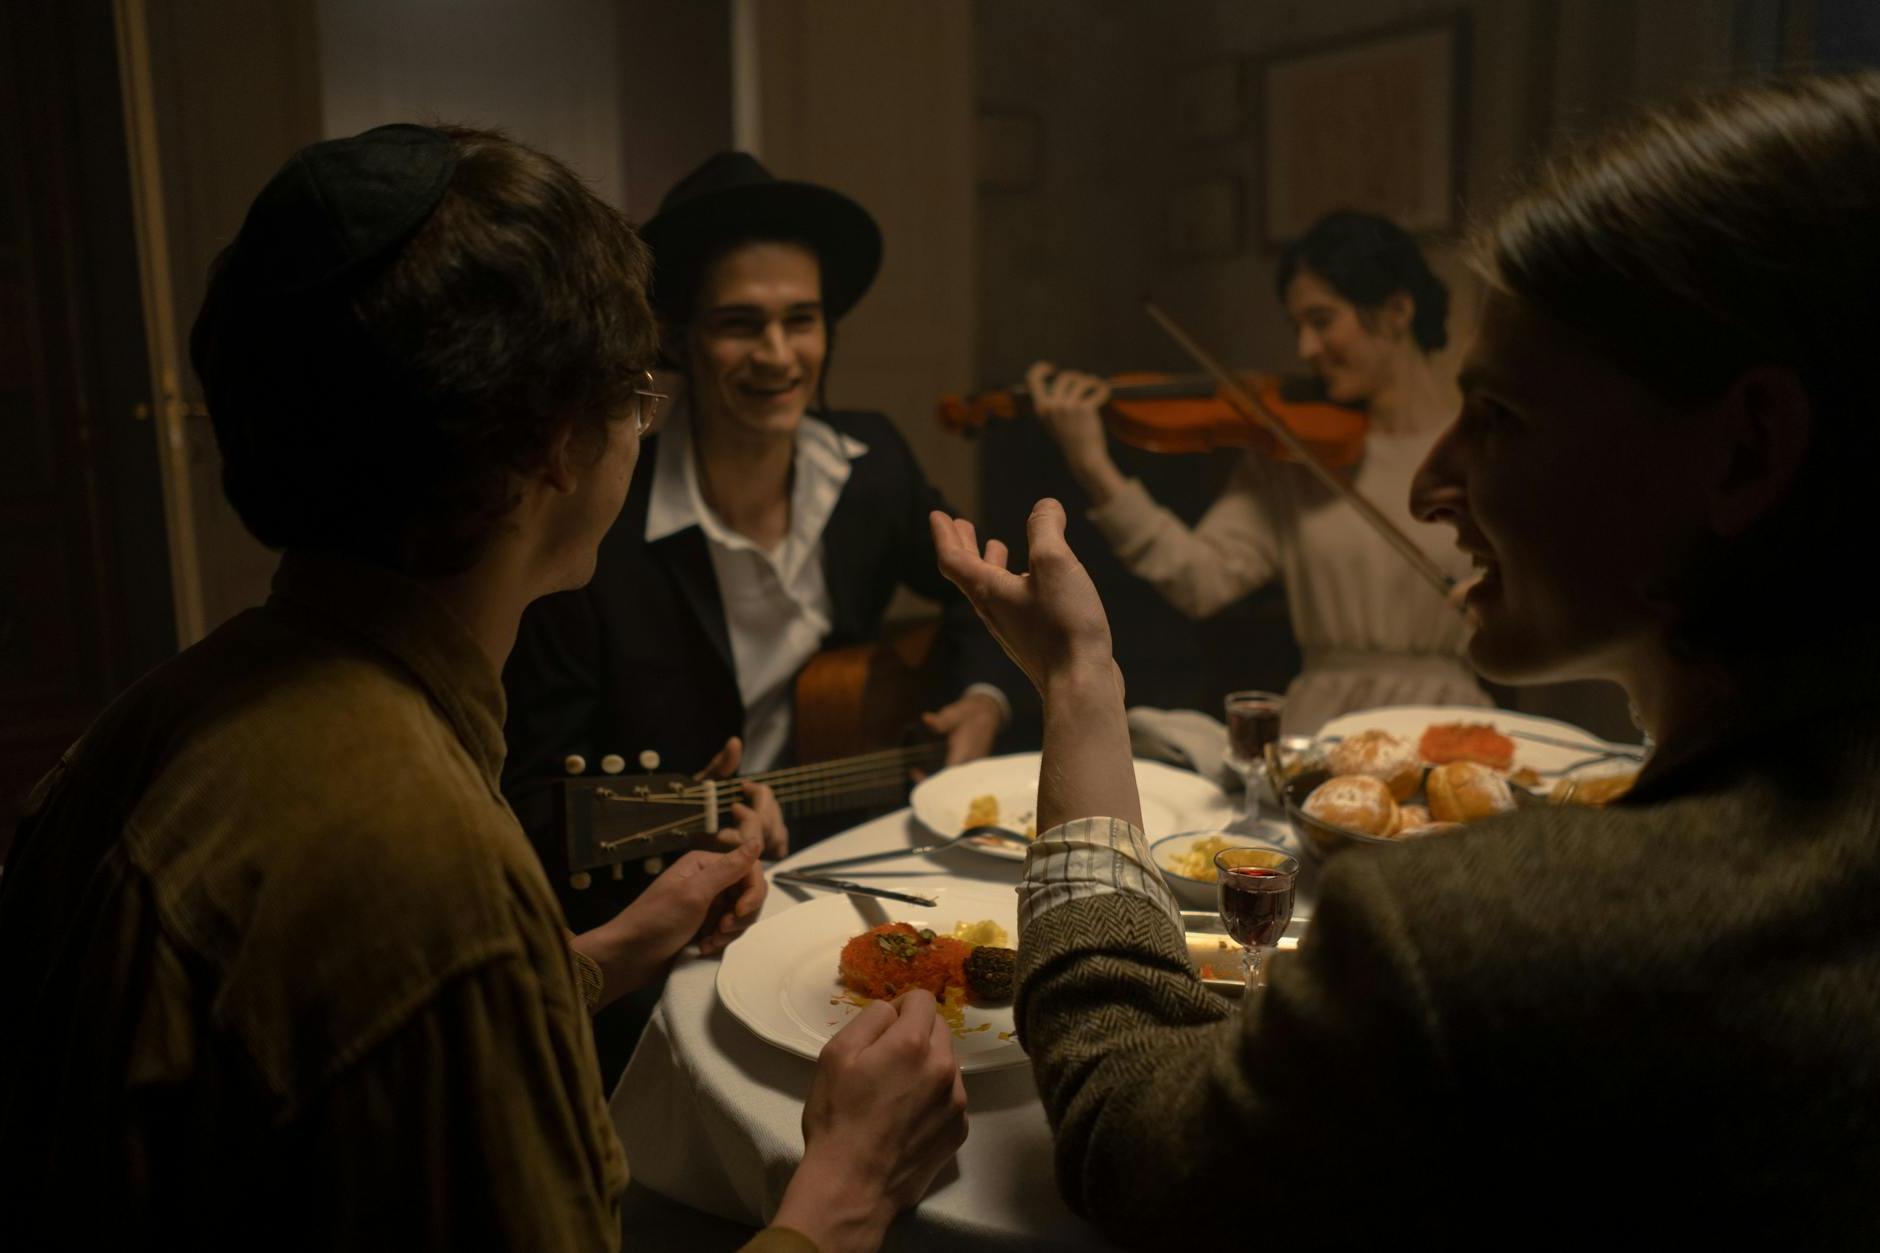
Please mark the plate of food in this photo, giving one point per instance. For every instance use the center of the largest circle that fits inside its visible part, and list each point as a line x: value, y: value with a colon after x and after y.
x: 1003, y: 792
x: 799, y: 976
x: 1186, y: 861
x: 1406, y: 772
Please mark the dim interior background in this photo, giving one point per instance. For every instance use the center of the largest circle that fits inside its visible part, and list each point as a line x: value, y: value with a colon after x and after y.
x: 1038, y: 167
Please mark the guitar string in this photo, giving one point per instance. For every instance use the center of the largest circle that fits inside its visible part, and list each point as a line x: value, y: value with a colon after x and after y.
x: 884, y: 781
x: 877, y: 771
x: 893, y: 758
x: 880, y: 781
x: 788, y: 773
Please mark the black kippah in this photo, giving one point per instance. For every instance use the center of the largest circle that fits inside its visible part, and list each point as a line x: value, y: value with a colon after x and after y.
x: 339, y: 205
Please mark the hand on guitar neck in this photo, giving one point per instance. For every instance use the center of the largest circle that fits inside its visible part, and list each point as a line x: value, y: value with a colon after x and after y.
x: 763, y: 808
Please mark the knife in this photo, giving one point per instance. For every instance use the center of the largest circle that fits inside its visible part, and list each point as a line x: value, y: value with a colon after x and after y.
x: 844, y: 885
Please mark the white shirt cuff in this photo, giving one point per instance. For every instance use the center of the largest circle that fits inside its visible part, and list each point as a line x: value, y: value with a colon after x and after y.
x: 1089, y: 857
x: 987, y: 689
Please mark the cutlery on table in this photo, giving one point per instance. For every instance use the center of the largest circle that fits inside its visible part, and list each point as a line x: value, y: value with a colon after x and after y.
x: 999, y: 833
x: 853, y: 889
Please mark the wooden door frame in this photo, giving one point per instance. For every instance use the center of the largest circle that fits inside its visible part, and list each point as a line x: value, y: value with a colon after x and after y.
x: 168, y: 409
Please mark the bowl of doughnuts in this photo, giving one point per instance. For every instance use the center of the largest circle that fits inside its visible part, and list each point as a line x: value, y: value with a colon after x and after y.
x: 1377, y: 787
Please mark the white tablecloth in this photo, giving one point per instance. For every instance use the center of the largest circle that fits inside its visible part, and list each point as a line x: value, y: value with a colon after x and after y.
x: 711, y: 1116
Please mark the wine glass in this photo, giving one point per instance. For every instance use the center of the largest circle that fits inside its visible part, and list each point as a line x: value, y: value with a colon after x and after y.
x: 1252, y: 723
x: 1256, y: 895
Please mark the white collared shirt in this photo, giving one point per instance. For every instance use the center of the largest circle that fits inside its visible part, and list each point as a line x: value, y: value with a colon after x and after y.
x: 777, y: 606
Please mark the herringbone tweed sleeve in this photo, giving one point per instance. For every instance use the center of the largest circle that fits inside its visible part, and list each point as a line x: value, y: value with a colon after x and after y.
x: 1153, y: 1084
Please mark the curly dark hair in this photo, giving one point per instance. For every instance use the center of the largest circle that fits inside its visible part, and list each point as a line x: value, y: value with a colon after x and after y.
x: 1700, y: 240
x: 387, y: 421
x: 1368, y: 259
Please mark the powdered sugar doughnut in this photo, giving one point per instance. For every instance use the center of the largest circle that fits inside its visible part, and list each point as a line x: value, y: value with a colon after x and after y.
x: 1356, y: 802
x: 1382, y: 756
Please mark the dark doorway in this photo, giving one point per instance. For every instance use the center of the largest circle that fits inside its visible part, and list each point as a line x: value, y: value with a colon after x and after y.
x: 84, y: 570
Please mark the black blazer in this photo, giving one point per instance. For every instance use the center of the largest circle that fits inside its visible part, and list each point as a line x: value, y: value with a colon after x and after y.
x: 641, y: 657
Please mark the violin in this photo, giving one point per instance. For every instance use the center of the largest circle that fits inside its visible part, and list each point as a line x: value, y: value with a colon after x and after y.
x: 1177, y: 413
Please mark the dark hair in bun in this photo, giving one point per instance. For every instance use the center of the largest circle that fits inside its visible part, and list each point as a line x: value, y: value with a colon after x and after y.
x: 1368, y: 259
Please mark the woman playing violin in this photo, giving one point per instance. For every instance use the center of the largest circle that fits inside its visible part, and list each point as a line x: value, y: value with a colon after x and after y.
x: 1370, y: 314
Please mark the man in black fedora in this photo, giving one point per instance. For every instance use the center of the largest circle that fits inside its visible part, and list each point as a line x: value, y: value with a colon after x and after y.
x: 763, y: 528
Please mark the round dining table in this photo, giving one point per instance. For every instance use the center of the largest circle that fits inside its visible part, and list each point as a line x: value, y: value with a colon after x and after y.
x: 710, y: 1114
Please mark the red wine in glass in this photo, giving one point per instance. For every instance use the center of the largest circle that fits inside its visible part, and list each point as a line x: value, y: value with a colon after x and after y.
x: 1252, y: 724
x: 1255, y: 887
x: 1256, y: 904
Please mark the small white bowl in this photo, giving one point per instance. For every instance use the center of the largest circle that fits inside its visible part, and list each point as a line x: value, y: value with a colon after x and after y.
x: 1195, y: 893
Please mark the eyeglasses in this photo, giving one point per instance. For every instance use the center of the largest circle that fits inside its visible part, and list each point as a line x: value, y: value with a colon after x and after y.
x: 646, y: 403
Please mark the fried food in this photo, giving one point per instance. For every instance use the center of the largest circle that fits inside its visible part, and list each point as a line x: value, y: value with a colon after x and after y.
x: 1198, y: 861
x: 897, y: 957
x: 990, y: 974
x: 1598, y: 790
x: 1356, y: 802
x: 1466, y: 790
x: 1382, y: 756
x: 1444, y: 742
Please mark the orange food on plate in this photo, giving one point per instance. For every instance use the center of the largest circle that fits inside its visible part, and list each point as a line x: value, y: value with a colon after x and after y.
x: 895, y: 958
x: 1479, y: 742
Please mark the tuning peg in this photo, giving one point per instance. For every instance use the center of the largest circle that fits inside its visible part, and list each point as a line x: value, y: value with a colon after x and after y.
x: 653, y: 865
x: 613, y: 763
x: 574, y: 763
x: 649, y: 761
x: 579, y: 880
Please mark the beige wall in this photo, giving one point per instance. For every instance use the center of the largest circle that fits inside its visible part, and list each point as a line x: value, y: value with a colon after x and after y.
x: 876, y: 100
x: 235, y: 85
x: 546, y: 71
x: 631, y: 94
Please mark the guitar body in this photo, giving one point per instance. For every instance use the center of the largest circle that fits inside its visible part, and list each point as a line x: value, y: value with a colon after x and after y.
x: 866, y: 697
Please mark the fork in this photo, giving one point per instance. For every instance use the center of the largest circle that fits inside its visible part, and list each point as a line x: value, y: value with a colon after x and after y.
x: 999, y: 833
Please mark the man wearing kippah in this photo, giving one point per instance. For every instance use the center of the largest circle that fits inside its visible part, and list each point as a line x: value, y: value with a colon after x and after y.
x: 771, y: 527
x: 277, y: 963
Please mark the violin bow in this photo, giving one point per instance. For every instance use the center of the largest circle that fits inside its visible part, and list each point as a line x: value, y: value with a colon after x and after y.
x: 1253, y: 410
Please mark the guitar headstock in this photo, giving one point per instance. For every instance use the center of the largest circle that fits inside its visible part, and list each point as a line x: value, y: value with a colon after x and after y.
x: 612, y: 817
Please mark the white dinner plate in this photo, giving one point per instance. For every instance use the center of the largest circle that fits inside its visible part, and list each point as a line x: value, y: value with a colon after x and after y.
x: 1172, y: 800
x: 1408, y: 722
x: 779, y: 979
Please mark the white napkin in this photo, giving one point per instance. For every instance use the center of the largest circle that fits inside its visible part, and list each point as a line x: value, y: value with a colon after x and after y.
x: 1186, y: 738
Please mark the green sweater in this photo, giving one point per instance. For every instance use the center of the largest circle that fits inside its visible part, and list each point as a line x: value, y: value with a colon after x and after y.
x: 1660, y: 1019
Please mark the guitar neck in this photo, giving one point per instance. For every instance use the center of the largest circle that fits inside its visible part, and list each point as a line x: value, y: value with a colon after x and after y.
x: 846, y: 783
x: 614, y: 818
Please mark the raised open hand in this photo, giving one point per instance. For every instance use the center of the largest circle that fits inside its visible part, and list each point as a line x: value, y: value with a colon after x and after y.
x: 1050, y: 619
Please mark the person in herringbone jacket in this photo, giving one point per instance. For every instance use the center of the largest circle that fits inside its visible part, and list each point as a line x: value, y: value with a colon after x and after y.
x: 1658, y: 1018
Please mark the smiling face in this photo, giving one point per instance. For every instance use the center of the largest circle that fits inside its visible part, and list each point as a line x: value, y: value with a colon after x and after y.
x: 758, y: 340
x: 1352, y: 359
x: 1578, y: 492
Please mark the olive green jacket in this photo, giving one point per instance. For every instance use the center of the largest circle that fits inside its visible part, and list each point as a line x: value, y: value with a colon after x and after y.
x: 278, y: 968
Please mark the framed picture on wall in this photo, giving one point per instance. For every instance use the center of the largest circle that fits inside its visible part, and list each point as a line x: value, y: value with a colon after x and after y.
x: 1372, y: 125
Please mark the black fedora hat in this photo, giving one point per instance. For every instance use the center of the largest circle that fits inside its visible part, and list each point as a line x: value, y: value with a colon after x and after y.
x: 732, y: 198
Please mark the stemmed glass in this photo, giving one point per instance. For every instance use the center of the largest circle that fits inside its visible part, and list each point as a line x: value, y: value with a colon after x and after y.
x: 1256, y: 895
x: 1252, y: 724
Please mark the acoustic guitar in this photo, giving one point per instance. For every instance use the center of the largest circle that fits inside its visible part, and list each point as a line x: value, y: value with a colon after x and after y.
x: 857, y: 711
